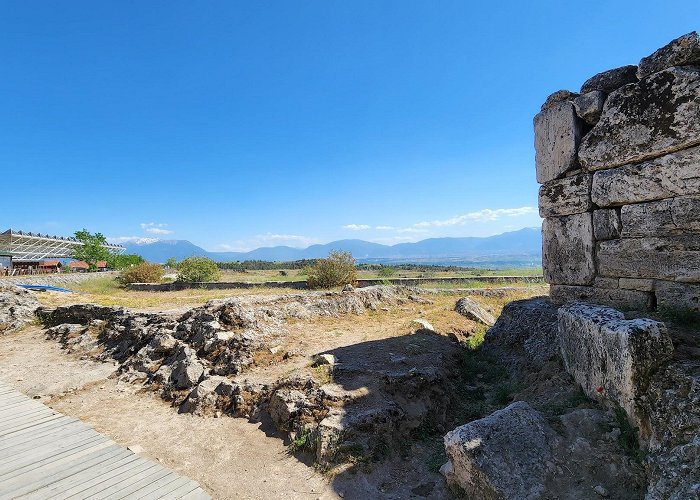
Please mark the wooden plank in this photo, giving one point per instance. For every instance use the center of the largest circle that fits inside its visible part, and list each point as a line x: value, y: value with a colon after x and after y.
x: 47, y: 475
x: 115, y: 482
x: 9, y: 410
x: 49, y: 453
x: 28, y: 415
x: 187, y: 487
x: 9, y: 430
x: 156, y: 485
x: 36, y: 434
x: 121, y: 458
x: 21, y: 412
x: 167, y: 490
x: 198, y: 494
x: 54, y: 442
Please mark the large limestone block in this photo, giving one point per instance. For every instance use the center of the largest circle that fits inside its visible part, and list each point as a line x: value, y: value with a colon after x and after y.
x: 589, y: 106
x: 682, y: 51
x: 567, y: 196
x: 656, y: 116
x: 17, y: 307
x: 557, y: 136
x: 558, y: 97
x: 662, y: 218
x: 508, y: 454
x: 567, y: 249
x: 678, y: 296
x: 623, y: 299
x: 676, y: 174
x: 612, y: 358
x: 610, y: 80
x: 675, y: 258
x: 606, y: 224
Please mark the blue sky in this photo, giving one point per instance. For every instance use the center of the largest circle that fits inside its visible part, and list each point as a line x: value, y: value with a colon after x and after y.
x: 243, y: 124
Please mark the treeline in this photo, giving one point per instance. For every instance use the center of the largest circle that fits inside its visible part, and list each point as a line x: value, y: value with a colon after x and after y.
x: 417, y: 267
x: 264, y: 265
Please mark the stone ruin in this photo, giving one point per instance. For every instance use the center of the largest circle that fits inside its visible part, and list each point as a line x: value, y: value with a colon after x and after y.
x: 619, y: 168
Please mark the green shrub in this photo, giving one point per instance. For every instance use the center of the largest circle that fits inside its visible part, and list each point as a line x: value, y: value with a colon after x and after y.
x: 198, y: 269
x: 386, y: 271
x: 338, y: 269
x: 142, y: 273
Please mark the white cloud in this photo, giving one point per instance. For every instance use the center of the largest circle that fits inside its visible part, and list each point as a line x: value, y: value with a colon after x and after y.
x: 385, y: 228
x: 155, y: 228
x: 485, y: 215
x: 139, y: 240
x: 357, y: 227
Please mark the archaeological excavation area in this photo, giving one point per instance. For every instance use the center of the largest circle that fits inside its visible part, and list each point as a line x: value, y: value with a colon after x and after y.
x: 587, y: 387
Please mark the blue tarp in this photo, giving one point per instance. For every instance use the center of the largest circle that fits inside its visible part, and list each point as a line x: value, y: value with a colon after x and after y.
x: 45, y: 288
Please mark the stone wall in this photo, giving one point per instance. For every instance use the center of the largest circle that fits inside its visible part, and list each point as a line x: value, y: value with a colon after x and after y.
x: 619, y: 168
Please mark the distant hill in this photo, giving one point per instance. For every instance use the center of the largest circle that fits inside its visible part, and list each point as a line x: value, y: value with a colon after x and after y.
x: 524, y: 243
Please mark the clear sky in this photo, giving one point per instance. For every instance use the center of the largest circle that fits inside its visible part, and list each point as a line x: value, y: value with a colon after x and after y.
x: 238, y: 124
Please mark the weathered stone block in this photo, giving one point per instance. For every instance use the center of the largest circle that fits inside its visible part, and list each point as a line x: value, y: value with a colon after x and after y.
x: 676, y: 174
x: 624, y: 299
x: 675, y: 258
x: 599, y: 282
x: 606, y: 224
x: 683, y: 51
x: 645, y: 120
x: 557, y: 136
x: 557, y: 97
x: 643, y: 285
x: 567, y: 249
x: 567, y: 196
x: 662, y: 218
x: 678, y: 295
x: 610, y: 80
x: 589, y: 106
x: 611, y: 357
x: 508, y: 454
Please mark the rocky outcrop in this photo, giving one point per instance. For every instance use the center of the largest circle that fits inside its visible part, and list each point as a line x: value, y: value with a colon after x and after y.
x: 17, y: 307
x: 611, y: 80
x: 682, y: 51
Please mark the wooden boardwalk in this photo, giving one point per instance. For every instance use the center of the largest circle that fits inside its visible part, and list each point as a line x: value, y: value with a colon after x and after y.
x: 44, y: 454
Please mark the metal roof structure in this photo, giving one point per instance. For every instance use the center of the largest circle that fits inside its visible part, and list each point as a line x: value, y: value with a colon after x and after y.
x: 30, y: 247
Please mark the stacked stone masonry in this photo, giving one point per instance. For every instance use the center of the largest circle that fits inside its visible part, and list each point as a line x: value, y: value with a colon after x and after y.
x: 619, y: 168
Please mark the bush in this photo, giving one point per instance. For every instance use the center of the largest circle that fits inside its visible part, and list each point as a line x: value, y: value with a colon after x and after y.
x: 386, y: 271
x: 338, y: 269
x: 197, y: 269
x: 142, y: 273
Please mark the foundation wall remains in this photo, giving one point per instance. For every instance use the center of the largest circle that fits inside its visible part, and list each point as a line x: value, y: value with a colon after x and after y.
x: 619, y: 168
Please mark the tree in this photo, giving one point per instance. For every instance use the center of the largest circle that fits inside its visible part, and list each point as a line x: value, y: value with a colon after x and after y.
x: 197, y: 270
x: 92, y: 249
x: 338, y: 269
x: 119, y: 261
x: 171, y: 263
x: 142, y: 273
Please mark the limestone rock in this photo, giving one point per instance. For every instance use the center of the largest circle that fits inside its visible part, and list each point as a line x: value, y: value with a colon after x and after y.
x: 567, y: 249
x: 612, y: 283
x: 557, y: 97
x: 284, y: 406
x: 676, y: 174
x: 187, y: 369
x: 324, y: 359
x: 423, y: 324
x: 643, y: 285
x: 567, y: 196
x: 606, y: 224
x: 646, y: 120
x: 589, y: 106
x: 624, y: 299
x: 675, y: 258
x: 469, y: 308
x: 610, y: 80
x: 557, y: 136
x: 613, y: 358
x: 505, y: 455
x: 682, y: 51
x: 17, y: 307
x: 526, y: 331
x: 678, y: 296
x: 662, y: 218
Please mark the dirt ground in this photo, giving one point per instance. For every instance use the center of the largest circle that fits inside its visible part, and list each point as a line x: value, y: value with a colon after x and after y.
x: 231, y: 457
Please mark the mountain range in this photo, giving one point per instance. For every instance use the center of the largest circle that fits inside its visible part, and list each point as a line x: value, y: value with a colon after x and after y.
x: 523, y: 243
